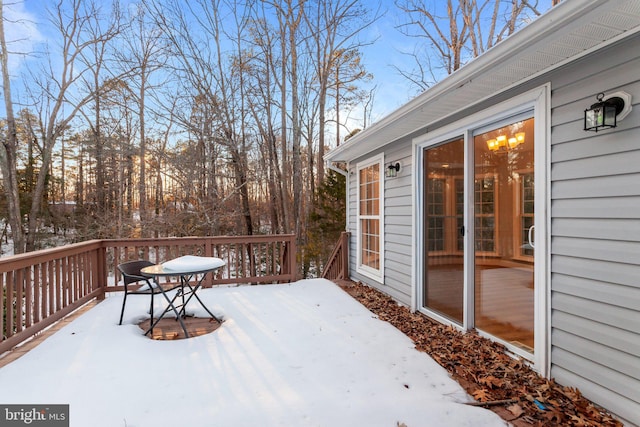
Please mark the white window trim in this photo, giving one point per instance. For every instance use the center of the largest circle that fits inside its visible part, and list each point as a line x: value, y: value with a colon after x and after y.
x: 538, y: 100
x: 377, y: 275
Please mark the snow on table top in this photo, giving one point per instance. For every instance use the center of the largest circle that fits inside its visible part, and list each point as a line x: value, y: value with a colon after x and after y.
x: 193, y: 263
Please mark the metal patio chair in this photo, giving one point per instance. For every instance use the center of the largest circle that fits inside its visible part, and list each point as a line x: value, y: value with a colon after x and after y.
x: 131, y: 275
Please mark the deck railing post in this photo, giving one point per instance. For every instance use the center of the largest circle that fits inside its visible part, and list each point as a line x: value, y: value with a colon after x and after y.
x: 345, y: 254
x: 293, y: 257
x: 101, y: 271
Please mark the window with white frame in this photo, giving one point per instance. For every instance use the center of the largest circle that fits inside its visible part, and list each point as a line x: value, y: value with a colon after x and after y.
x: 370, y: 229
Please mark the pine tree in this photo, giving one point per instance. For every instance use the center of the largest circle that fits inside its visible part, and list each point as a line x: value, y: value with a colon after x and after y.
x: 326, y: 222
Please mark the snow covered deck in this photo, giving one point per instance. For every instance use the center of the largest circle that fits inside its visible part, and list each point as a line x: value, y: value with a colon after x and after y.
x: 303, y: 354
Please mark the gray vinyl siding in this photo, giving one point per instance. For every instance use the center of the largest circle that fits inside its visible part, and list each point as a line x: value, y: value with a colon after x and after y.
x: 397, y: 224
x: 595, y: 235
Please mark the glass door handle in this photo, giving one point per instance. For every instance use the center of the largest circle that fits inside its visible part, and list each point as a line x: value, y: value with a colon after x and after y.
x: 530, y: 235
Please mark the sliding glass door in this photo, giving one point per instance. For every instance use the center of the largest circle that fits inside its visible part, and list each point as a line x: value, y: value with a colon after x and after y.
x: 443, y: 229
x: 496, y: 267
x: 503, y: 239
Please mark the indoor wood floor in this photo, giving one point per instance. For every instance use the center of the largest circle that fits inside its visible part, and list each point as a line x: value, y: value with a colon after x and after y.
x: 504, y: 300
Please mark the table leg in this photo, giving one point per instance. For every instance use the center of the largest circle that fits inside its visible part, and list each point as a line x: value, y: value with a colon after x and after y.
x: 193, y: 293
x: 172, y: 307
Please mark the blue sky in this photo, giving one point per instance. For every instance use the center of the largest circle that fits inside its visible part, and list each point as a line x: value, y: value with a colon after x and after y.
x: 23, y: 33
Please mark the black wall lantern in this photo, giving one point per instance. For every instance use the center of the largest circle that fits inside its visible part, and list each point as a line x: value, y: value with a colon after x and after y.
x: 607, y: 111
x: 392, y: 170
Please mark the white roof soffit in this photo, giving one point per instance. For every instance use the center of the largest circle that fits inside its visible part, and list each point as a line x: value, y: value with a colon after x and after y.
x: 572, y: 29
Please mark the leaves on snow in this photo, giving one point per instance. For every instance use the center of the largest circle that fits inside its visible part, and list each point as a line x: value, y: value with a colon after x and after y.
x: 486, y: 371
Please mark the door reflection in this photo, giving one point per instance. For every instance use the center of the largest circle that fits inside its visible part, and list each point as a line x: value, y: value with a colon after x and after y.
x: 503, y: 220
x: 444, y: 243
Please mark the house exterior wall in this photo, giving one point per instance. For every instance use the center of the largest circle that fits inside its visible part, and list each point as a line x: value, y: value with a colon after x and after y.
x: 595, y: 228
x: 595, y: 234
x: 397, y: 224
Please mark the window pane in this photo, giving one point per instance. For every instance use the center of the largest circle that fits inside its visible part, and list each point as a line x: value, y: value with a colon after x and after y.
x: 444, y: 209
x: 369, y: 206
x: 504, y: 203
x: 370, y: 239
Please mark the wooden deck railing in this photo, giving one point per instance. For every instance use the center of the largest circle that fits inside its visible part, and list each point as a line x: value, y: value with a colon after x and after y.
x: 337, y: 267
x: 39, y: 288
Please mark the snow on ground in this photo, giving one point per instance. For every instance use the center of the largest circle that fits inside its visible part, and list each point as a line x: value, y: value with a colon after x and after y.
x: 301, y: 354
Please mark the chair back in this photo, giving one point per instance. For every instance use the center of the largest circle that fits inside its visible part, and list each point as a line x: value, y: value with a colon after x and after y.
x: 131, y: 270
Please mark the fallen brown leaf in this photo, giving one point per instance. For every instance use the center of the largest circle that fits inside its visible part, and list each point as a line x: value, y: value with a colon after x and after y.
x: 484, y: 368
x: 481, y: 395
x: 516, y: 410
x: 491, y: 381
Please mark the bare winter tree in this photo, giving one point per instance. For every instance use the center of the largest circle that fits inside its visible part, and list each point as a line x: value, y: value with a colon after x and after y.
x: 94, y: 59
x: 448, y: 34
x: 9, y: 152
x: 58, y: 94
x: 333, y: 44
x: 289, y: 14
x: 216, y: 113
x: 265, y: 96
x: 142, y: 55
x: 119, y: 127
x: 237, y: 117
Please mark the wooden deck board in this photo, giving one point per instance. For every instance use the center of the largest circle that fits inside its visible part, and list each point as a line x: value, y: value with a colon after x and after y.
x: 170, y: 329
x: 17, y: 352
x: 167, y: 329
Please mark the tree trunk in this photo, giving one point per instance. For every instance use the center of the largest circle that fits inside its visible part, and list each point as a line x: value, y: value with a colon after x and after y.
x: 296, y: 154
x: 142, y: 185
x: 8, y: 157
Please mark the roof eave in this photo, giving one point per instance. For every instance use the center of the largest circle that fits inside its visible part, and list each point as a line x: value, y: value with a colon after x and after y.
x: 541, y: 30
